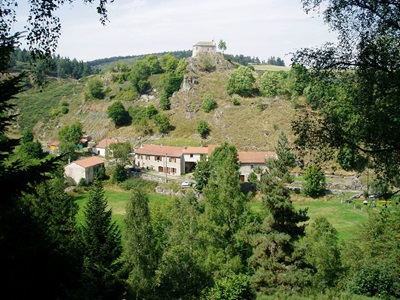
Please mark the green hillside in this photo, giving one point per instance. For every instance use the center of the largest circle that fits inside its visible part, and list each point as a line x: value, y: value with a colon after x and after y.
x: 244, y: 125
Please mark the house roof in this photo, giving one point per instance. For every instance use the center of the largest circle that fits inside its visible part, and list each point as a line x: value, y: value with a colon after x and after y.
x: 55, y: 143
x: 205, y: 44
x: 88, y: 162
x: 147, y: 149
x: 106, y: 142
x: 195, y: 150
x: 255, y: 157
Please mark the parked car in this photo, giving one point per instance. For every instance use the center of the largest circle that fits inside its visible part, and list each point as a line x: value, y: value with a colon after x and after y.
x: 186, y: 184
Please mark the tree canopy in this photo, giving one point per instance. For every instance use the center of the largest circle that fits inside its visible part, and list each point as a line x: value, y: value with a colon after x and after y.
x: 355, y: 83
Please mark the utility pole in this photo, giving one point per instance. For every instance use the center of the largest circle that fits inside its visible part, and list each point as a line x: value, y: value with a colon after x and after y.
x: 166, y: 168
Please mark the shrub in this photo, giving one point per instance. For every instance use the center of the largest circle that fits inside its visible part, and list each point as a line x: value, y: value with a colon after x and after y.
x: 203, y: 129
x: 118, y: 114
x: 119, y: 174
x: 209, y: 103
x: 235, y: 101
x: 314, y: 182
x: 241, y: 82
x: 95, y: 87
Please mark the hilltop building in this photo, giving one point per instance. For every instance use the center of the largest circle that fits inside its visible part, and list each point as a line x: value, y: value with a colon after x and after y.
x: 204, y: 47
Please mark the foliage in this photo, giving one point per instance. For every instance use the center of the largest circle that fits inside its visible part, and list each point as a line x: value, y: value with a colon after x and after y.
x: 71, y: 133
x: 206, y: 62
x: 119, y: 174
x: 101, y: 173
x: 356, y: 84
x: 201, y: 173
x: 241, y: 82
x: 121, y: 152
x: 101, y: 245
x: 165, y: 103
x: 222, y: 46
x: 323, y: 254
x: 284, y: 152
x: 140, y: 257
x: 277, y: 260
x: 95, y: 87
x: 208, y: 103
x: 180, y: 273
x: 271, y: 83
x: 203, y: 129
x: 119, y: 114
x: 151, y: 111
x: 234, y: 286
x: 235, y: 101
x: 275, y: 61
x: 350, y: 158
x: 314, y: 182
x: 163, y: 123
x: 374, y: 279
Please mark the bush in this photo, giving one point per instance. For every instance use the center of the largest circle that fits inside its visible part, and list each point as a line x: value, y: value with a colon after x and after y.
x: 235, y: 101
x: 82, y: 182
x: 119, y: 174
x: 233, y: 286
x: 134, y: 183
x: 314, y: 182
x: 241, y: 82
x: 209, y: 103
x: 118, y: 114
x: 96, y: 89
x: 203, y: 129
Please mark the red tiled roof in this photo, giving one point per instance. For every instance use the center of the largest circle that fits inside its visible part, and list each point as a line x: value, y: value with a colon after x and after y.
x: 56, y: 143
x: 147, y: 149
x: 195, y: 150
x: 255, y: 157
x: 106, y: 142
x: 88, y: 162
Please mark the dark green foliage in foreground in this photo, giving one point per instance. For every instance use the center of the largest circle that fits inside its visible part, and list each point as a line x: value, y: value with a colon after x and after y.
x: 102, y: 248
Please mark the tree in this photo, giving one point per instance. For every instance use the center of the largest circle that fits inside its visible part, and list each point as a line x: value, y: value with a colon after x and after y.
x: 201, y: 173
x: 271, y: 83
x: 181, y: 273
x: 95, y: 87
x: 363, y: 69
x: 102, y: 248
x: 27, y: 136
x: 208, y: 103
x: 278, y: 262
x: 314, y: 182
x: 140, y: 256
x: 284, y: 152
x: 151, y: 111
x: 119, y: 114
x: 222, y: 46
x: 241, y: 82
x: 323, y: 254
x: 162, y: 121
x: 71, y: 133
x: 121, y: 152
x: 225, y: 212
x: 203, y: 128
x: 119, y: 174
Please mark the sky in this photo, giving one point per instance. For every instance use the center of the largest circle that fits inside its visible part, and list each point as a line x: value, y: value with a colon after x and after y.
x: 256, y: 28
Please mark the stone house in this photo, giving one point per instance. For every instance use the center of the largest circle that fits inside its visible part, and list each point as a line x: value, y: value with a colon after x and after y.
x: 250, y: 160
x: 204, y: 47
x: 83, y: 168
x: 101, y: 147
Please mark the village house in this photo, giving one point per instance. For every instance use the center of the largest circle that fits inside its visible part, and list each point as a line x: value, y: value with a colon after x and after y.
x: 251, y: 160
x: 182, y: 160
x: 204, y: 47
x: 163, y: 159
x: 83, y: 168
x: 101, y: 147
x: 53, y: 146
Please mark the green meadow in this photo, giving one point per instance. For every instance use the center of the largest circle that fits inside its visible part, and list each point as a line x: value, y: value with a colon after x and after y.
x: 345, y: 217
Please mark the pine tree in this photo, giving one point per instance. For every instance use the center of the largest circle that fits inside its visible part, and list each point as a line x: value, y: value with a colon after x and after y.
x: 181, y: 274
x: 101, y: 244
x: 225, y: 209
x: 140, y: 256
x: 277, y: 261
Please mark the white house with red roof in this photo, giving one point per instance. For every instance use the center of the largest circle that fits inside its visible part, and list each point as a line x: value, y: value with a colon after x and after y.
x: 101, y: 147
x: 83, y: 168
x: 204, y: 47
x: 181, y: 160
x: 250, y: 160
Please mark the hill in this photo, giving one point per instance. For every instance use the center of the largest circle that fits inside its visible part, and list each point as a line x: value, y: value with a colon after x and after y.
x: 244, y: 125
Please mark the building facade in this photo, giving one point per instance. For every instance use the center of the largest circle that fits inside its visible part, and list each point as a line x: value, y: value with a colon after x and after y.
x: 83, y: 168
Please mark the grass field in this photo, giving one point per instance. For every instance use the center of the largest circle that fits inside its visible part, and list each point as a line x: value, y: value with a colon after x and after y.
x: 345, y: 217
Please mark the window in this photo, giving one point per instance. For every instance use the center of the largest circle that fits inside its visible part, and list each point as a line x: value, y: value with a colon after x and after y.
x: 252, y: 167
x: 157, y: 158
x: 191, y: 155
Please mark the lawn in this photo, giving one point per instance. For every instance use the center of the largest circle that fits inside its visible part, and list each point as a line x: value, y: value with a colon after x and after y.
x: 117, y: 201
x: 345, y: 217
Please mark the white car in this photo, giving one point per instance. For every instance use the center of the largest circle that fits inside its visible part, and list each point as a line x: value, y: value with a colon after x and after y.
x: 186, y: 184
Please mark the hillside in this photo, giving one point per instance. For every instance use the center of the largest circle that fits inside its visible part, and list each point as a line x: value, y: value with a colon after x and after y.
x: 244, y: 125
